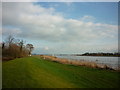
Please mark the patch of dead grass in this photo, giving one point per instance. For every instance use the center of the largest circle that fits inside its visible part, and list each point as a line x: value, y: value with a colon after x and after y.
x: 75, y: 62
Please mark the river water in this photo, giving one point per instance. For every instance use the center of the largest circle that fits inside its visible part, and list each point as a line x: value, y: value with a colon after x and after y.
x: 113, y: 62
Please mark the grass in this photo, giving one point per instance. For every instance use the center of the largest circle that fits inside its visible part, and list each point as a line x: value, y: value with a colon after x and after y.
x: 0, y: 73
x: 32, y: 72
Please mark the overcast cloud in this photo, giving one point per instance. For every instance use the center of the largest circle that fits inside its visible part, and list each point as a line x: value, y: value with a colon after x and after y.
x: 31, y: 21
x: 60, y: 0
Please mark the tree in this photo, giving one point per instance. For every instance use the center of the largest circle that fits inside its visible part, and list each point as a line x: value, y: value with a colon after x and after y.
x: 10, y: 40
x: 30, y: 48
x: 3, y: 45
x: 21, y: 44
x: 15, y: 48
x: 7, y: 46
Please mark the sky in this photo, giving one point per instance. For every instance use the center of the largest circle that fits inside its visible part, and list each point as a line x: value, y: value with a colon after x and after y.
x: 63, y: 27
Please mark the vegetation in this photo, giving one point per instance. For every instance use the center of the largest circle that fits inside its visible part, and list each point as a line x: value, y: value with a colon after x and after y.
x: 15, y: 48
x: 30, y: 48
x: 101, y: 54
x: 78, y: 62
x: 116, y: 54
x: 35, y: 72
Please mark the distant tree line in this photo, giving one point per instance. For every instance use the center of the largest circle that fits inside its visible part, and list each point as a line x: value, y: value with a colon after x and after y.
x: 101, y: 54
x: 15, y: 48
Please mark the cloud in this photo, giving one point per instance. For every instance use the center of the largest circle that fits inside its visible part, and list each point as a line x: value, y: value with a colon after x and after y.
x: 68, y: 3
x: 31, y: 21
x: 11, y: 31
x: 44, y: 23
x: 60, y: 0
x: 46, y: 48
x: 20, y: 0
x: 87, y: 18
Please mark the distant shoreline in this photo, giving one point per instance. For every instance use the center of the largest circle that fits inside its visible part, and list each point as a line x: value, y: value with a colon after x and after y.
x: 77, y: 55
x: 97, y: 56
x: 84, y: 55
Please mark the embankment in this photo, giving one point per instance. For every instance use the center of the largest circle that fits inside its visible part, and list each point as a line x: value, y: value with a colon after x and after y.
x: 35, y: 72
x: 77, y: 62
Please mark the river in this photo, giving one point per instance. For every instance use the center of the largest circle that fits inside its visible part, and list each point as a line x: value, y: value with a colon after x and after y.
x: 113, y: 62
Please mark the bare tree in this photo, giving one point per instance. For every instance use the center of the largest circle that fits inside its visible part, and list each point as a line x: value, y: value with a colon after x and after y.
x: 3, y: 45
x: 21, y: 44
x: 10, y: 40
x: 15, y: 48
x: 30, y: 48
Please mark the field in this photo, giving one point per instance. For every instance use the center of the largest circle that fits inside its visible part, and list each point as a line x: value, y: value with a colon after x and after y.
x: 33, y: 72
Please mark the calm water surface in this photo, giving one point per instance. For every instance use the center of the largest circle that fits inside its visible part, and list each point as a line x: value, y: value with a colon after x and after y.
x: 110, y: 61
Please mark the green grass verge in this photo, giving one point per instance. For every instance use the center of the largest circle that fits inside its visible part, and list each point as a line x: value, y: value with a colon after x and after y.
x: 32, y: 72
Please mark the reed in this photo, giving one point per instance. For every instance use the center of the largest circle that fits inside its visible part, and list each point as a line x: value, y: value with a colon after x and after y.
x: 76, y: 62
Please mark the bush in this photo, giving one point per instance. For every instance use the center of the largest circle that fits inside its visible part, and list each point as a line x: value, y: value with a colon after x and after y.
x: 13, y: 48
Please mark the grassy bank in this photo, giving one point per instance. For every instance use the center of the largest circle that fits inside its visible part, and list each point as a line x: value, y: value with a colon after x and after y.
x: 32, y: 72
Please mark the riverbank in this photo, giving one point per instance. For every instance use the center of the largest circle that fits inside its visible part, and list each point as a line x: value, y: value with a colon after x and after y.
x: 78, y: 62
x: 39, y: 72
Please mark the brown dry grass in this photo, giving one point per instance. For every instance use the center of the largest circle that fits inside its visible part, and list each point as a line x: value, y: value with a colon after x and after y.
x: 75, y: 62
